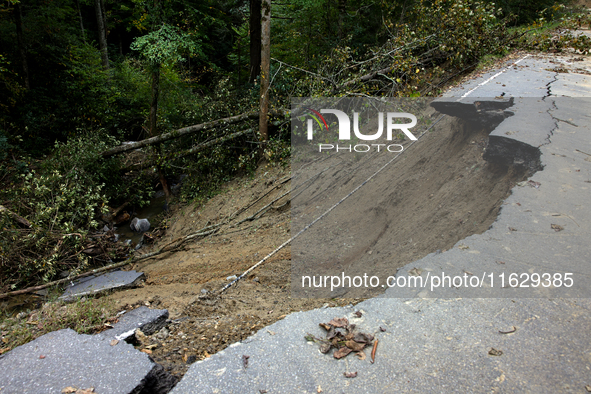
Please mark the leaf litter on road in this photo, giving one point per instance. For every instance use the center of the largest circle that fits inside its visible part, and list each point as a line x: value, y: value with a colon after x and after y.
x: 344, y: 339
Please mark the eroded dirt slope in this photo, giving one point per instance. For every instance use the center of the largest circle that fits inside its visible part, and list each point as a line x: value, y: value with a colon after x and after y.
x: 449, y: 192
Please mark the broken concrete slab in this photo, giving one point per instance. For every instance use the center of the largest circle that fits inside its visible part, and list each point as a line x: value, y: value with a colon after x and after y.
x: 64, y: 358
x: 147, y: 320
x: 486, y: 111
x: 97, y: 284
x: 514, y: 140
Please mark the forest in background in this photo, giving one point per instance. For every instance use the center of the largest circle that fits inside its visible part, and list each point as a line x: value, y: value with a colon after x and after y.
x: 78, y: 78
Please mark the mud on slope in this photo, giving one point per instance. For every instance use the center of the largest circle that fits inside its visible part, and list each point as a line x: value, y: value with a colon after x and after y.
x: 441, y: 193
x: 437, y: 192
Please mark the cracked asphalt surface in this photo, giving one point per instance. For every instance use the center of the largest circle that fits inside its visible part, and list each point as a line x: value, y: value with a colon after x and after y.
x: 453, y: 340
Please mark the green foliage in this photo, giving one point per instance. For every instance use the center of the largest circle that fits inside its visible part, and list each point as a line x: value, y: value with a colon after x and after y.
x: 62, y: 202
x: 560, y: 35
x: 80, y: 158
x: 85, y: 316
x: 60, y: 209
x: 528, y: 11
x: 165, y: 46
x: 278, y: 151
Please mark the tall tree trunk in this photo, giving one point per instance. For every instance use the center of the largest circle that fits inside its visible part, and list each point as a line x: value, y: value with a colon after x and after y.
x: 154, y: 124
x: 154, y: 104
x: 255, y: 40
x: 342, y: 12
x: 81, y: 22
x: 104, y: 15
x: 100, y: 20
x: 18, y: 18
x: 265, y: 67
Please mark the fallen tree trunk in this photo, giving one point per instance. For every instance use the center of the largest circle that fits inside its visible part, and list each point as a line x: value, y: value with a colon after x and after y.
x: 185, y: 131
x: 179, y: 133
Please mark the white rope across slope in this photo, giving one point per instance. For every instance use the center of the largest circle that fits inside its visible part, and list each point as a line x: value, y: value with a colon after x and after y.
x: 327, y: 211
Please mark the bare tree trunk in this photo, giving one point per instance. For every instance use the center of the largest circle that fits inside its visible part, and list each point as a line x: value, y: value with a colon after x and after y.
x: 255, y: 40
x: 100, y: 20
x: 81, y: 22
x: 165, y: 186
x: 186, y: 131
x: 18, y: 18
x: 265, y: 67
x: 154, y: 104
x: 154, y: 124
x: 342, y: 12
x: 104, y: 14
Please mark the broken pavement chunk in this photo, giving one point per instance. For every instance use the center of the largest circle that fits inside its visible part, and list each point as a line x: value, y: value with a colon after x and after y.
x: 147, y: 320
x: 69, y: 359
x: 98, y: 284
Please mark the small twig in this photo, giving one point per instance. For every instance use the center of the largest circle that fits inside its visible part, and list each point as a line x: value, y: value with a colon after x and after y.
x: 373, y: 351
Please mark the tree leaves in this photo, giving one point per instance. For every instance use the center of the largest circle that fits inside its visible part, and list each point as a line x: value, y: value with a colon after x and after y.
x: 166, y: 45
x: 341, y: 336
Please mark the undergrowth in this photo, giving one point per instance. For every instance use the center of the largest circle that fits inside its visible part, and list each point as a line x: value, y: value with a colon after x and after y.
x: 85, y: 316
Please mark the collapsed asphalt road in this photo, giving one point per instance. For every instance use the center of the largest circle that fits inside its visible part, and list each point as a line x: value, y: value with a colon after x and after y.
x: 516, y: 343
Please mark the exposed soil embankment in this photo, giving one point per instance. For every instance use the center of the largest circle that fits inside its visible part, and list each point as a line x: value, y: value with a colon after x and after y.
x: 439, y: 191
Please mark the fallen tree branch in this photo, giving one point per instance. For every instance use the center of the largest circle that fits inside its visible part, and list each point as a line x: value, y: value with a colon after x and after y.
x: 171, y: 246
x: 193, y: 150
x: 386, y: 70
x: 165, y: 248
x: 16, y: 217
x: 306, y: 71
x: 111, y: 216
x: 175, y: 244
